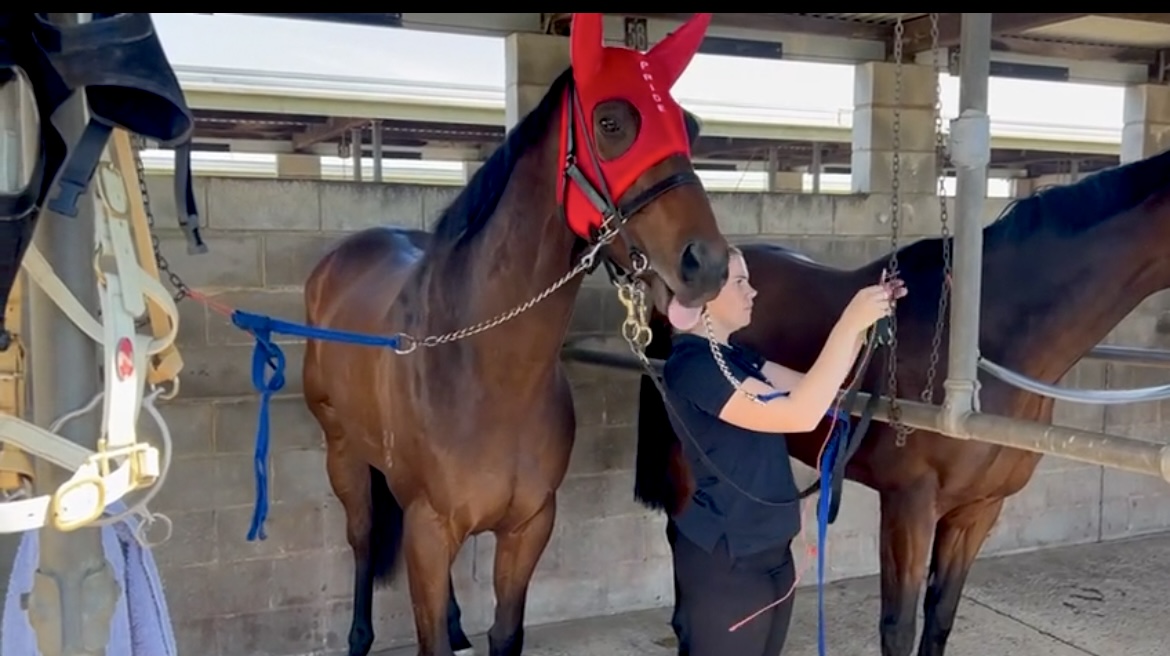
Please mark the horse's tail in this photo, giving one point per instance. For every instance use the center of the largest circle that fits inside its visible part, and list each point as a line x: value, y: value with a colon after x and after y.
x: 662, y: 479
x: 385, y: 527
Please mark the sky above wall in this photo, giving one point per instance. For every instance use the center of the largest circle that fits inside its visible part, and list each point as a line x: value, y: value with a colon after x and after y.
x: 332, y: 50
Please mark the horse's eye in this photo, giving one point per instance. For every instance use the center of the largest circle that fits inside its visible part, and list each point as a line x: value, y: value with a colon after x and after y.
x: 609, y: 125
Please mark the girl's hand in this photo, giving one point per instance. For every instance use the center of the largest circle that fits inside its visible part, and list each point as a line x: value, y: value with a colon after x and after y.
x: 872, y: 303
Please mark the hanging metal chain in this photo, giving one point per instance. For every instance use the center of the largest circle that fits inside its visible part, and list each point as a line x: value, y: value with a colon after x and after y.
x: 717, y: 353
x: 942, y: 155
x: 137, y: 144
x: 900, y: 429
x: 408, y: 342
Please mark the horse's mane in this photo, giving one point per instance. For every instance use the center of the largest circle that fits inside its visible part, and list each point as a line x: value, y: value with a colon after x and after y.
x: 1063, y: 210
x: 1070, y: 209
x: 467, y: 215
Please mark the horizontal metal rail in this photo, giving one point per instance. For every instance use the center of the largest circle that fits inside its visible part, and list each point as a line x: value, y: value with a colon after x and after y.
x: 1136, y: 355
x: 1114, y: 451
x: 1145, y: 357
x: 602, y: 358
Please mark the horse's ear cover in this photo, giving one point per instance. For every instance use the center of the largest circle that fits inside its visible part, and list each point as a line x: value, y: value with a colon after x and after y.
x: 669, y: 57
x: 644, y: 79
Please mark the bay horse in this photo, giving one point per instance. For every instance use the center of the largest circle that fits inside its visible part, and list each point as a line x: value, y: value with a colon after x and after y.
x: 471, y: 430
x: 1061, y: 268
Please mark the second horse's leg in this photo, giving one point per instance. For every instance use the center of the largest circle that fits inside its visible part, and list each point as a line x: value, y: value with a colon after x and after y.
x: 907, y: 522
x: 958, y: 539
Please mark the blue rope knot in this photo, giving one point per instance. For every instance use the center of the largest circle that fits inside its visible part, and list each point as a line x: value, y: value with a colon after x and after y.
x: 266, y: 356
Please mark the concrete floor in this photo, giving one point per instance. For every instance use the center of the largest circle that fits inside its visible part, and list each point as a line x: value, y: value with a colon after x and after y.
x: 1092, y: 600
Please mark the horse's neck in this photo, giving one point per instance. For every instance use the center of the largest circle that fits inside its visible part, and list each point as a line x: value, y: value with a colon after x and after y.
x: 523, y: 250
x: 1046, y: 304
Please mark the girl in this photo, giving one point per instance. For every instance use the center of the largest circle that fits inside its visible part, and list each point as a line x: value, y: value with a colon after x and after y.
x: 732, y: 554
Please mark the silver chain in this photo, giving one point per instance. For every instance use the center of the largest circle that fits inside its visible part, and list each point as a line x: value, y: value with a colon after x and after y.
x: 722, y: 364
x: 943, y: 157
x: 900, y: 429
x: 137, y: 144
x: 412, y: 343
x: 407, y: 343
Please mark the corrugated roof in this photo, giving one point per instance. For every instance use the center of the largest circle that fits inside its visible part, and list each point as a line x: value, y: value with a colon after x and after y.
x: 872, y: 19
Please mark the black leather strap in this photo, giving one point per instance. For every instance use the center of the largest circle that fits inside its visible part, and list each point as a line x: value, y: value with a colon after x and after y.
x: 118, y: 62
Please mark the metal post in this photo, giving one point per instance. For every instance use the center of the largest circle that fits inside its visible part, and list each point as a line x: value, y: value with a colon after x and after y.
x: 817, y: 153
x: 971, y: 153
x: 74, y: 590
x: 770, y: 169
x: 376, y: 147
x: 355, y: 144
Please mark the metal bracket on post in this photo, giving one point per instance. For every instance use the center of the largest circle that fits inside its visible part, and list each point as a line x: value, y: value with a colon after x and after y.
x: 970, y: 139
x: 952, y: 419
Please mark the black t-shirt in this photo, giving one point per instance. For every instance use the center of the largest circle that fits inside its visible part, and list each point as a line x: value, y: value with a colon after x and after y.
x: 757, y: 462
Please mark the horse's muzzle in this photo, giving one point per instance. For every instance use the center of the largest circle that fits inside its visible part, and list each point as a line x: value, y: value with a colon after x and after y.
x: 702, y: 270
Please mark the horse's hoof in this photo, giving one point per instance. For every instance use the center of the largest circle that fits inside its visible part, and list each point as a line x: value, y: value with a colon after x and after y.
x: 470, y: 651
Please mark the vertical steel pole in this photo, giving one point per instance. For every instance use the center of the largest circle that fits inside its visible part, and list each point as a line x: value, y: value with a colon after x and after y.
x: 971, y: 153
x: 817, y: 154
x: 355, y: 144
x: 74, y: 591
x: 376, y: 146
x: 771, y: 168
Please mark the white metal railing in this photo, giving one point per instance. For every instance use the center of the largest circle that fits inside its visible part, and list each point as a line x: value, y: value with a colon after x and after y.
x: 485, y: 97
x: 452, y: 173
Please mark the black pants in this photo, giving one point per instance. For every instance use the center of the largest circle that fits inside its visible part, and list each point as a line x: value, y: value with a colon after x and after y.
x: 713, y: 593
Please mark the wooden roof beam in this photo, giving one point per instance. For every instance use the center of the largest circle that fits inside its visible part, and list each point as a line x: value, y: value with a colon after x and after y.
x: 917, y: 32
x: 1161, y: 19
x: 330, y: 129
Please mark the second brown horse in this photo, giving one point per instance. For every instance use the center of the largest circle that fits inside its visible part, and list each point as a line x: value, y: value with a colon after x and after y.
x: 1060, y: 270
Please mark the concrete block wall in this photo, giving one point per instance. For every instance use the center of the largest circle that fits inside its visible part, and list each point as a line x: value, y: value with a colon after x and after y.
x: 291, y: 594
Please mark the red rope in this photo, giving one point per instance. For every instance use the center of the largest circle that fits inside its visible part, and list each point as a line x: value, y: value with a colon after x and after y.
x: 212, y: 304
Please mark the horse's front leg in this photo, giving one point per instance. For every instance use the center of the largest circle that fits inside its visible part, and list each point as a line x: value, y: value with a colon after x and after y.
x: 518, y: 550
x: 430, y: 550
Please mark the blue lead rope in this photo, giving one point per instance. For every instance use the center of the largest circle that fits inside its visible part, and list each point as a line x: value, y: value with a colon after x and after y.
x: 267, y: 356
x: 836, y: 440
x: 825, y: 466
